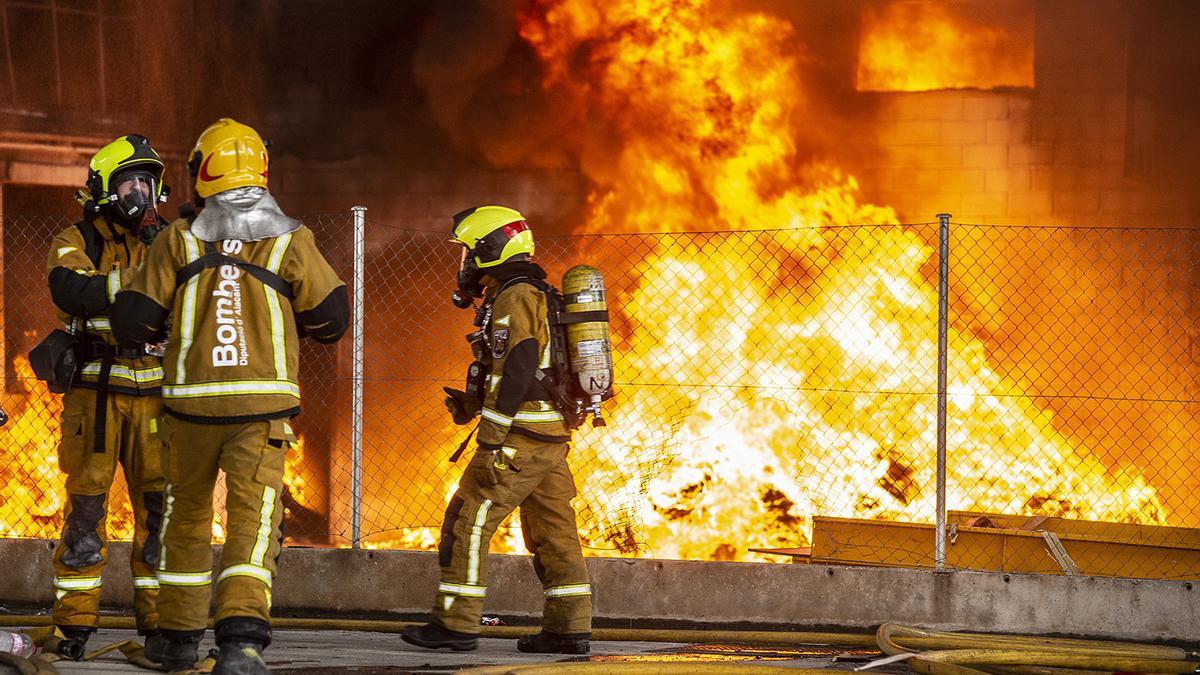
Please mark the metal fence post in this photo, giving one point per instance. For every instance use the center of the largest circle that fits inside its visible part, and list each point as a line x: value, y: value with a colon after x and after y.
x: 939, y: 546
x: 360, y: 220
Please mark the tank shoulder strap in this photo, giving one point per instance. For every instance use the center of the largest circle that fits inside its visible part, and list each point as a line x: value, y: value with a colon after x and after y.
x: 93, y: 244
x: 213, y: 258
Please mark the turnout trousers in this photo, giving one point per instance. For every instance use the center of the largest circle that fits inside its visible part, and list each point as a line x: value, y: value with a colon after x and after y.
x: 252, y: 456
x: 534, y: 476
x: 129, y: 440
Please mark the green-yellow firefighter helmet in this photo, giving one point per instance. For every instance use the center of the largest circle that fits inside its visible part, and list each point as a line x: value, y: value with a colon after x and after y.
x: 493, y: 235
x: 120, y: 156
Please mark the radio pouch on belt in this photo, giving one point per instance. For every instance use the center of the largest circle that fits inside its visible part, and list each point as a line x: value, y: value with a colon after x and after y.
x: 55, y: 360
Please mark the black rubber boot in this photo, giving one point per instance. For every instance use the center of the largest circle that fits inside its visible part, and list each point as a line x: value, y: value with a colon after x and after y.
x: 174, y: 650
x: 154, y: 647
x: 74, y: 642
x: 433, y: 636
x: 546, y: 642
x: 242, y: 640
x: 239, y: 657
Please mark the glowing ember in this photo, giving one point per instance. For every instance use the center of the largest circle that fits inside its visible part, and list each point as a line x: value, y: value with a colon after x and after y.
x: 921, y: 45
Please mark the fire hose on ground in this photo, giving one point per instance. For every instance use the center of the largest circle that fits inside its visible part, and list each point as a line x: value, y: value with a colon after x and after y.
x: 923, y: 651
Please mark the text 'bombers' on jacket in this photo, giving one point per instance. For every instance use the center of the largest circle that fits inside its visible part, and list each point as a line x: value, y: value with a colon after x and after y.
x: 233, y: 351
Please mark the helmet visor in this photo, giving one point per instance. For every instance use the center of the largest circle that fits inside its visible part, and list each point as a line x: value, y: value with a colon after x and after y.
x: 134, y: 193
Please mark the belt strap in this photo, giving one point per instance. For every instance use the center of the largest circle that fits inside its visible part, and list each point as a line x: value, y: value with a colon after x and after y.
x: 545, y: 438
x: 463, y: 446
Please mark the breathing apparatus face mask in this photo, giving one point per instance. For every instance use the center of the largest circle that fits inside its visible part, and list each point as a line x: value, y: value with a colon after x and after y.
x: 469, y: 277
x: 134, y: 204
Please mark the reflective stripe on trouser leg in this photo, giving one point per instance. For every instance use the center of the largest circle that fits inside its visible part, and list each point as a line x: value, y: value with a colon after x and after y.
x: 255, y: 569
x: 568, y: 591
x: 463, y: 585
x: 475, y: 521
x: 141, y: 458
x: 88, y: 588
x: 79, y: 558
x: 549, y: 527
x: 185, y: 553
x: 254, y: 481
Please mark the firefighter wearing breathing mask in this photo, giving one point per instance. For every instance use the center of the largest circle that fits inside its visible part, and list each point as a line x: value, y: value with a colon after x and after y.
x: 521, y: 459
x: 244, y: 282
x: 108, y: 414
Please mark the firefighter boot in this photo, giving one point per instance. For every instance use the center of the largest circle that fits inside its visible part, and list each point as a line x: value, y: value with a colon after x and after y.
x: 242, y: 641
x: 74, y: 642
x: 553, y: 643
x: 174, y: 650
x: 154, y: 647
x: 433, y: 636
x: 240, y: 657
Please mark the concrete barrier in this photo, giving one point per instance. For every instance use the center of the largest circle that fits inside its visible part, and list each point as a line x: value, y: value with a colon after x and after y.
x: 355, y: 583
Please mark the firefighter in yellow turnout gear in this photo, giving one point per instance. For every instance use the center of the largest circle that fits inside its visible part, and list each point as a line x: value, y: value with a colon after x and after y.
x: 521, y: 460
x: 241, y: 280
x: 108, y: 415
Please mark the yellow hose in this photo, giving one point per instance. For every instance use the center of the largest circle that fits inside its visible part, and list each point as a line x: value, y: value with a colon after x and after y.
x: 1041, y: 670
x: 953, y: 653
x: 933, y: 652
x: 599, y: 635
x: 640, y: 668
x: 895, y: 639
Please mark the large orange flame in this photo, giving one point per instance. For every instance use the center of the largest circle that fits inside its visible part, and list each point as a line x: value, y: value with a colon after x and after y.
x: 791, y: 366
x: 922, y: 45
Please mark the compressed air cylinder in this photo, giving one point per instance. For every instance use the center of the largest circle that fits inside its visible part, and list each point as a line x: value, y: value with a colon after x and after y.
x: 588, y: 349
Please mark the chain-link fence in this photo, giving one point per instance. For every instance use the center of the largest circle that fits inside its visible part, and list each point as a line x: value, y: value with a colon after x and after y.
x: 777, y: 395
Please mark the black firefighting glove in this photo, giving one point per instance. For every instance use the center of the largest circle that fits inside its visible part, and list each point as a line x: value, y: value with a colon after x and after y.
x: 463, y: 408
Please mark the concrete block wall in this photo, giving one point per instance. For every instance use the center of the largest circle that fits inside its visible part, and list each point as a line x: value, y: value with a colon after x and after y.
x: 1051, y: 155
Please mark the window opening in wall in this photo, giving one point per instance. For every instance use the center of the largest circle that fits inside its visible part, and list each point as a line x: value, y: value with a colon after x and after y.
x: 1162, y: 129
x: 54, y: 53
x: 924, y: 45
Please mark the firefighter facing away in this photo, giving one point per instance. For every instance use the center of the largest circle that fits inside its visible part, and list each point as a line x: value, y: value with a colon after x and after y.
x: 521, y: 459
x: 109, y: 412
x: 243, y: 283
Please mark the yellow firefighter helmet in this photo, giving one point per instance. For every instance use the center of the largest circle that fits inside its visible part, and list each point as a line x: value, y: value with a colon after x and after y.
x: 493, y: 235
x: 228, y: 155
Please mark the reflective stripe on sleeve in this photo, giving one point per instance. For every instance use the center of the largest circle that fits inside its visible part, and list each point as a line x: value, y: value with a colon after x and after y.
x: 499, y: 418
x: 113, y: 284
x: 145, y: 583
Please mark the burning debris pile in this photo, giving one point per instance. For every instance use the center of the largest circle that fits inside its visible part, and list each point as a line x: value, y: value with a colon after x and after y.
x: 793, y: 363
